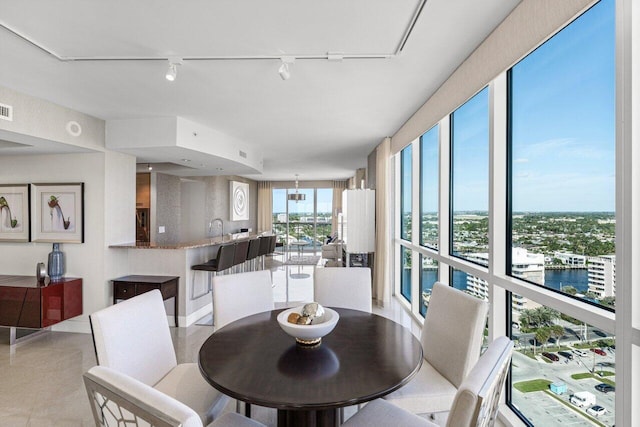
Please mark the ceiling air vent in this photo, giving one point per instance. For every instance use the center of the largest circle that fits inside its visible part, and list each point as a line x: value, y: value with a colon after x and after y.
x: 6, y: 112
x: 242, y: 154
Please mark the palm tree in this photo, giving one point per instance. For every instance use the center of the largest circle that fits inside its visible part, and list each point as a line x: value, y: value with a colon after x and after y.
x: 542, y: 336
x: 557, y: 331
x: 526, y: 319
x: 546, y: 315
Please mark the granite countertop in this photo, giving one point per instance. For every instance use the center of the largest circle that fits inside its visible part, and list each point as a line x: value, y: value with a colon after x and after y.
x: 212, y: 241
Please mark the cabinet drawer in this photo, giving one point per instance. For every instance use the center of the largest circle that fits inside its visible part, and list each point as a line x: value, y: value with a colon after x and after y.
x: 141, y: 288
x: 124, y: 290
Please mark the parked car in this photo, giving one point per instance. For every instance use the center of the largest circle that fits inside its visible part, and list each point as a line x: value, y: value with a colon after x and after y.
x: 605, y: 388
x: 566, y: 354
x: 551, y: 356
x: 596, y: 410
x: 583, y: 399
x: 598, y: 351
x: 580, y: 353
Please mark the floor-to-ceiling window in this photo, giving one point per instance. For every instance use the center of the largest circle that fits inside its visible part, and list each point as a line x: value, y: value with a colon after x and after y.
x: 562, y: 216
x: 537, y: 231
x: 302, y: 219
x: 429, y: 182
x: 470, y: 179
x: 406, y: 171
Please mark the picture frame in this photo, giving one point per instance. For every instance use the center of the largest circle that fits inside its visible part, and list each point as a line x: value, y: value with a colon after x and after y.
x: 15, y: 203
x: 239, y: 195
x: 58, y: 212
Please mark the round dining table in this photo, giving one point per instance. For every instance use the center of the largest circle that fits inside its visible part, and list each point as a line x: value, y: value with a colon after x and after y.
x: 365, y: 357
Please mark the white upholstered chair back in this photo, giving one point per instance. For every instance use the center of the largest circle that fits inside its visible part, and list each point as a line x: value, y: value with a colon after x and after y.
x: 240, y: 295
x: 133, y: 337
x: 452, y: 332
x: 475, y: 403
x: 343, y: 287
x: 477, y: 399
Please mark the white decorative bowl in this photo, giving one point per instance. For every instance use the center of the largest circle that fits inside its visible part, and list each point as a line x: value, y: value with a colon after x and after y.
x: 309, y: 334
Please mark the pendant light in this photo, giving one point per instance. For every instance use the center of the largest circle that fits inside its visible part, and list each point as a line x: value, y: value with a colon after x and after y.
x: 296, y: 196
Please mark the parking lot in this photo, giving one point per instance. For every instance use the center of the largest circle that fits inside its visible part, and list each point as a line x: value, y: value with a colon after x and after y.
x: 543, y: 409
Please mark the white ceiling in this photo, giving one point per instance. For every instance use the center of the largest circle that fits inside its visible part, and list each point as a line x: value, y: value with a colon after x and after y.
x: 321, y: 123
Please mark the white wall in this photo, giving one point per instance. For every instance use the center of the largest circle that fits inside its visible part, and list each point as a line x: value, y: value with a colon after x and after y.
x: 109, y: 206
x: 42, y: 119
x: 109, y: 196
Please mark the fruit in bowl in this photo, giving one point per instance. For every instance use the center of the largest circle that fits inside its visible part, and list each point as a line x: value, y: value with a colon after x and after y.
x: 308, y: 323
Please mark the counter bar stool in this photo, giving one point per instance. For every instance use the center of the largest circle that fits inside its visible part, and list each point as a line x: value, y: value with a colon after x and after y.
x: 272, y: 245
x: 252, y: 254
x: 265, y: 244
x: 240, y: 256
x: 222, y: 262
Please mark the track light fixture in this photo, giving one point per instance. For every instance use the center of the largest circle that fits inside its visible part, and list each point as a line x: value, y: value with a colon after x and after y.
x: 149, y: 167
x: 285, y: 67
x: 172, y: 71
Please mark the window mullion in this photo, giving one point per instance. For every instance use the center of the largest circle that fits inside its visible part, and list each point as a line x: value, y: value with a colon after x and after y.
x: 444, y: 187
x: 415, y: 225
x: 497, y: 202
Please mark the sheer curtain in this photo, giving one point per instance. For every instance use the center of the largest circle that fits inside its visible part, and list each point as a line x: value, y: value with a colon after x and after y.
x: 381, y: 271
x: 265, y: 207
x: 338, y: 188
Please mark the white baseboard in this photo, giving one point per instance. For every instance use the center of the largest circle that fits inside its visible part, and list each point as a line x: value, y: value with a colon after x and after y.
x: 195, y: 316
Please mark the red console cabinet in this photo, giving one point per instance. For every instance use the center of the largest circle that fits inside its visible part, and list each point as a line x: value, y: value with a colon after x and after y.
x: 24, y: 303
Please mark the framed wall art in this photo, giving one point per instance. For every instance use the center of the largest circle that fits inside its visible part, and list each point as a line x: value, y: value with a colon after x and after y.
x: 57, y: 213
x: 14, y: 213
x: 239, y: 192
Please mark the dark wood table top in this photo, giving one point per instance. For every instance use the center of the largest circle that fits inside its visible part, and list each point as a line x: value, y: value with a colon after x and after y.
x: 145, y: 279
x: 365, y: 357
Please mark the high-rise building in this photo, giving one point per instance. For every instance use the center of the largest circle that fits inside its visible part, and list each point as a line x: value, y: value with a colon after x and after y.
x: 525, y: 265
x: 602, y: 275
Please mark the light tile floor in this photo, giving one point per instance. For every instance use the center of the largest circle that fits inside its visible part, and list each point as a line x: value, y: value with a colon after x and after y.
x: 41, y: 379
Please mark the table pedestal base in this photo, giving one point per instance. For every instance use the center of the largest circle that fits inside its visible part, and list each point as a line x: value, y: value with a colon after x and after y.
x: 319, y: 418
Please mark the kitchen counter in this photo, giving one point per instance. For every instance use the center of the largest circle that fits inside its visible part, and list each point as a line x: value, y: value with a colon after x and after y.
x: 212, y: 241
x: 176, y: 259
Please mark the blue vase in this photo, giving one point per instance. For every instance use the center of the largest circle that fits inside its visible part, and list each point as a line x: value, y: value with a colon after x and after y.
x: 56, y: 263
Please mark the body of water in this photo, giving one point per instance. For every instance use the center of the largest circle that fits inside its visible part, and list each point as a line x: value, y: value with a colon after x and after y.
x: 555, y: 279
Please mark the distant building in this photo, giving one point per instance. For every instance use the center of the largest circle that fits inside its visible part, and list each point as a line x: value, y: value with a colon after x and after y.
x: 571, y: 259
x: 602, y: 275
x: 282, y: 217
x: 525, y: 265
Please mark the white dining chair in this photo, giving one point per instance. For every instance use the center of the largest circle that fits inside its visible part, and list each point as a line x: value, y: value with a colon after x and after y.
x: 117, y: 399
x: 133, y: 338
x: 451, y: 339
x: 240, y: 295
x: 343, y: 287
x: 475, y: 403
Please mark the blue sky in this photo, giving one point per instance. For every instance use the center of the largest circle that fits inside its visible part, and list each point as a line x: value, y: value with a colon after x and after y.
x: 563, y: 126
x: 563, y: 119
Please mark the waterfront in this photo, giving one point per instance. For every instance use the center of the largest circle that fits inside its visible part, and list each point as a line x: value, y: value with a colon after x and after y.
x: 555, y: 279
